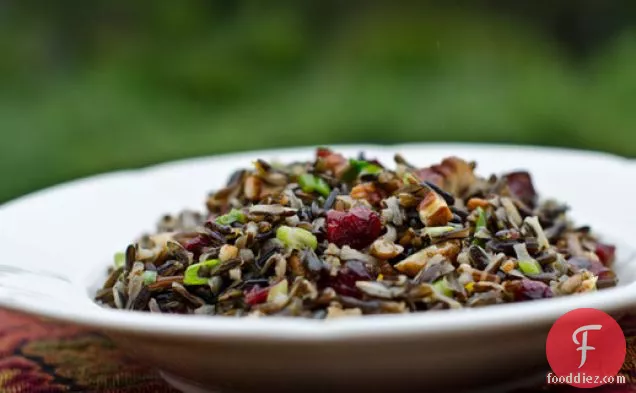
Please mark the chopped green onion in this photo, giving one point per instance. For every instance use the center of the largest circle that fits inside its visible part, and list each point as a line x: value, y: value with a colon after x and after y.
x: 441, y: 285
x: 527, y: 264
x: 437, y: 231
x: 307, y: 182
x: 120, y: 260
x: 530, y: 267
x: 310, y: 183
x: 480, y: 225
x: 360, y: 167
x: 296, y: 238
x: 191, y: 276
x: 365, y: 167
x: 150, y: 277
x: 481, y: 219
x: 371, y: 169
x: 278, y: 293
x: 322, y: 187
x: 233, y: 216
x: 357, y: 164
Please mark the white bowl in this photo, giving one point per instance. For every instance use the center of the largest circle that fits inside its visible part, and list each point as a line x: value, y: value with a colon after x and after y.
x: 58, y: 242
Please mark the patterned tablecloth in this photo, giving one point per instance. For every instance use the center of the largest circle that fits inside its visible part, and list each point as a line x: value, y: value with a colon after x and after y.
x: 39, y: 356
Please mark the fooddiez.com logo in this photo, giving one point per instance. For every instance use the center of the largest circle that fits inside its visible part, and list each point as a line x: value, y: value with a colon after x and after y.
x: 585, y: 348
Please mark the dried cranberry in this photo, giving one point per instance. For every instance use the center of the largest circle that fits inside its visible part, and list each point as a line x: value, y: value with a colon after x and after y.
x: 606, y: 279
x: 344, y: 283
x: 521, y: 187
x: 256, y: 295
x: 323, y: 152
x: 356, y: 228
x: 195, y: 245
x: 531, y: 290
x: 605, y: 252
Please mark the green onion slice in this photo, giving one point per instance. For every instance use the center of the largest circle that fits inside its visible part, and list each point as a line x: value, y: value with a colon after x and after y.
x: 191, y: 276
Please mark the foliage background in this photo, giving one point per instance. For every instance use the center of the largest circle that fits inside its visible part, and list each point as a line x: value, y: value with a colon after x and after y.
x: 92, y: 86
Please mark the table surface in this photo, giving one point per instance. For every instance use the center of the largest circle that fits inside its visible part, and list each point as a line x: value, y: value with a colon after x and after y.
x: 38, y: 356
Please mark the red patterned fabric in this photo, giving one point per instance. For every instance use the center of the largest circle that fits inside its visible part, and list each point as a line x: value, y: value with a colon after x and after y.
x: 38, y: 356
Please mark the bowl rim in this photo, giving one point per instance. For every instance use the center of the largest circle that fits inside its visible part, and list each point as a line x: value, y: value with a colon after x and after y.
x: 447, y: 322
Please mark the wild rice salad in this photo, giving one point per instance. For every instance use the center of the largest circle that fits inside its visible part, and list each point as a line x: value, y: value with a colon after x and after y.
x: 336, y: 237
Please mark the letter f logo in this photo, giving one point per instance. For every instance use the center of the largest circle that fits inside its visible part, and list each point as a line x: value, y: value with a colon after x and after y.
x: 584, y: 347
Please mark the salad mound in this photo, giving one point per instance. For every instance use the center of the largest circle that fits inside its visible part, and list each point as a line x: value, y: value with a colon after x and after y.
x: 337, y: 236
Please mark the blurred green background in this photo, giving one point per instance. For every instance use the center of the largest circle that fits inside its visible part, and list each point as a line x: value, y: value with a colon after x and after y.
x: 92, y: 86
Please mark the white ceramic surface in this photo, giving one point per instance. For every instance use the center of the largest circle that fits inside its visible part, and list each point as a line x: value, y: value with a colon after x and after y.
x: 58, y: 242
